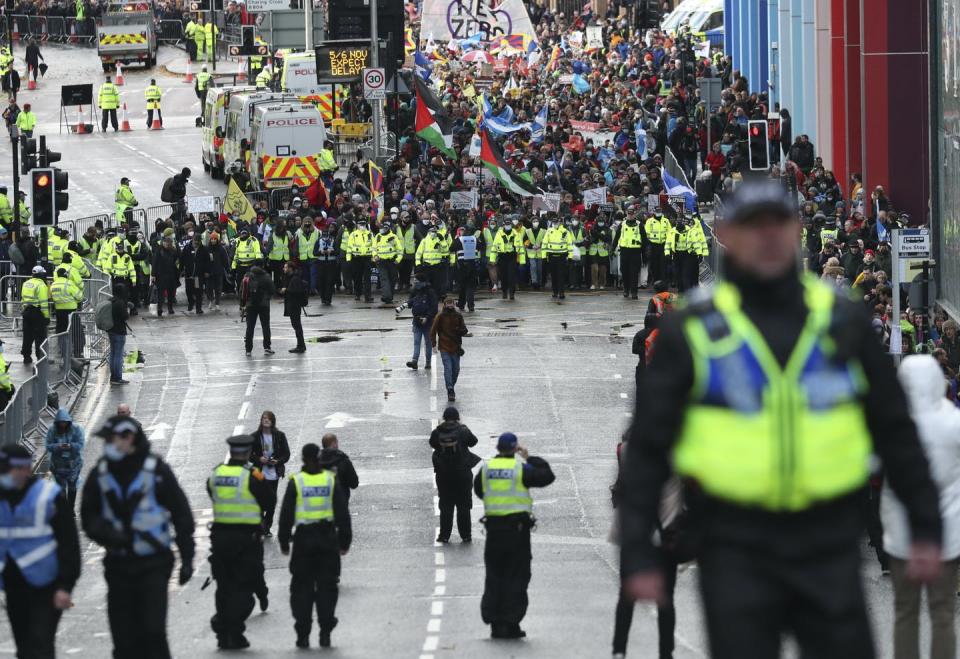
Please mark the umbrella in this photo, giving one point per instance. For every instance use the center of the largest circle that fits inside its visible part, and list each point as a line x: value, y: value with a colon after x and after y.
x: 478, y: 56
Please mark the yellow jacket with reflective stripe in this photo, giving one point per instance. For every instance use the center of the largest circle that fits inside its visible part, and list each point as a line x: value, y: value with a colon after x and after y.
x: 153, y: 94
x: 121, y: 267
x: 314, y: 497
x: 503, y: 490
x: 657, y: 228
x: 233, y: 502
x: 109, y: 96
x: 697, y: 239
x: 387, y: 247
x: 6, y: 210
x: 66, y: 294
x: 360, y: 243
x: 56, y: 246
x: 431, y: 250
x: 558, y: 241
x: 508, y: 242
x: 247, y: 252
x: 760, y: 435
x: 5, y: 383
x: 36, y: 294
x: 326, y: 162
x: 630, y: 236
x: 306, y: 244
x: 280, y: 247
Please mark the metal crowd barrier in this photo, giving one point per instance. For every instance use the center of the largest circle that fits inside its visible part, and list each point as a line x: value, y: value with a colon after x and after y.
x: 259, y: 199
x: 81, y: 224
x: 61, y: 369
x: 170, y: 31
x: 712, y: 267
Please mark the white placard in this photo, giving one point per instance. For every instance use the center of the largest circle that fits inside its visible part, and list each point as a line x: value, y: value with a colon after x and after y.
x: 548, y: 202
x: 594, y: 36
x: 444, y: 20
x: 594, y: 196
x: 202, y: 204
x: 475, y: 145
x: 463, y: 199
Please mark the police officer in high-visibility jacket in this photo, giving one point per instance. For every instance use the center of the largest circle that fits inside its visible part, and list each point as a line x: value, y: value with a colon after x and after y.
x: 56, y: 247
x: 201, y: 84
x: 387, y: 254
x: 630, y: 244
x: 768, y: 395
x: 504, y: 484
x: 133, y: 506
x: 307, y: 237
x: 508, y: 252
x: 558, y: 246
x: 6, y: 384
x: 35, y: 297
x: 39, y: 553
x: 67, y: 296
x: 189, y: 32
x: 108, y: 99
x: 236, y: 554
x: 657, y: 227
x: 247, y: 253
x: 359, y: 254
x: 315, y: 512
x: 153, y: 94
x: 430, y: 254
x: 122, y: 270
x: 124, y: 201
x: 264, y: 79
x: 6, y: 210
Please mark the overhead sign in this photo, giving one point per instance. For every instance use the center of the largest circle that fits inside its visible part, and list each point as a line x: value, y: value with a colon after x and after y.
x: 267, y: 5
x: 445, y: 20
x: 341, y: 62
x: 373, y: 84
x: 235, y: 50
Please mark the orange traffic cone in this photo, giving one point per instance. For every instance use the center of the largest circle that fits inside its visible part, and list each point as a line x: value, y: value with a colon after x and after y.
x: 73, y: 33
x: 156, y: 125
x: 81, y: 127
x: 189, y: 78
x: 125, y: 124
x: 119, y: 80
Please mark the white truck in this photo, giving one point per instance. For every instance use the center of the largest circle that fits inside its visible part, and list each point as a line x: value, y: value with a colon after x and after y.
x: 127, y: 35
x: 285, y: 143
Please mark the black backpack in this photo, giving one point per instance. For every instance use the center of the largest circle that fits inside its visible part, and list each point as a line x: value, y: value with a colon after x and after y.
x: 420, y: 305
x: 448, y: 436
x: 165, y: 195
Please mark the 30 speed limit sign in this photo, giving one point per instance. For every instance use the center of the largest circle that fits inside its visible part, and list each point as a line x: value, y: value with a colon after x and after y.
x: 374, y: 84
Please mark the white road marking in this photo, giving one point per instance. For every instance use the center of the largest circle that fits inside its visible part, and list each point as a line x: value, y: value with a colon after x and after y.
x: 439, y: 591
x: 623, y: 394
x: 243, y: 410
x: 440, y: 576
x: 436, y: 609
x: 617, y: 376
x: 431, y: 643
x: 433, y: 403
x: 438, y: 558
x: 250, y: 385
x: 612, y: 356
x: 433, y: 625
x: 238, y: 429
x: 402, y: 438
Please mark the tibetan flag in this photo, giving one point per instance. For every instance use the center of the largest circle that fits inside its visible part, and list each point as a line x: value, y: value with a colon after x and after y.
x: 376, y: 191
x: 432, y: 121
x: 519, y: 184
x: 409, y: 45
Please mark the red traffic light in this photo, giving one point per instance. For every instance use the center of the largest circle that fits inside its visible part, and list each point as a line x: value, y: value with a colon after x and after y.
x: 42, y: 181
x: 755, y: 130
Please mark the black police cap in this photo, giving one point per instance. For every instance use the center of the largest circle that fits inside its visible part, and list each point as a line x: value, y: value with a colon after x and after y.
x: 758, y: 198
x: 240, y: 441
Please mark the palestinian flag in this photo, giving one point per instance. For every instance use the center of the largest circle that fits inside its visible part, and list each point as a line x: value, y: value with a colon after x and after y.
x: 433, y: 124
x: 490, y: 154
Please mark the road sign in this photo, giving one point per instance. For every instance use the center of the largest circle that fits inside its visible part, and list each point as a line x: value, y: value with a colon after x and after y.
x: 374, y: 84
x: 913, y: 243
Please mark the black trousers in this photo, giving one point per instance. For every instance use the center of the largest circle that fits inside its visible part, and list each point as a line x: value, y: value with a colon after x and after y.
x: 454, y: 492
x: 236, y: 562
x: 360, y: 265
x: 194, y: 293
x: 507, y: 272
x: 688, y: 270
x: 388, y: 279
x: 631, y: 259
x: 108, y: 114
x: 406, y: 269
x: 869, y: 500
x: 170, y: 294
x: 315, y: 572
x: 666, y: 615
x: 270, y: 507
x: 137, y: 609
x: 466, y: 283
x: 437, y: 278
x: 327, y: 276
x: 34, y: 331
x: 507, y: 559
x: 150, y: 117
x: 655, y: 265
x: 63, y: 320
x: 33, y: 618
x: 263, y: 313
x: 557, y: 266
x: 752, y: 596
x: 69, y: 487
x: 191, y: 49
x: 297, y: 326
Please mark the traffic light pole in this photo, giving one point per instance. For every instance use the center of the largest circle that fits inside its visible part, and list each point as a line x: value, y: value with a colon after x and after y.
x: 15, y: 149
x: 42, y: 162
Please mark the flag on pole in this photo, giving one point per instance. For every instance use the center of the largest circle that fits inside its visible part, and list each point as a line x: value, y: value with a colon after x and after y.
x: 409, y: 45
x: 539, y: 127
x: 376, y: 191
x: 554, y: 56
x: 432, y: 122
x: 675, y: 188
x: 237, y: 204
x: 520, y: 184
x: 423, y: 65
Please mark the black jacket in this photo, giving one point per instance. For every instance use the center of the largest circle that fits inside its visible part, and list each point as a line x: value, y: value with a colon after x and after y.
x: 195, y: 261
x: 166, y: 267
x: 294, y: 296
x: 118, y: 544
x: 64, y: 532
x: 341, y: 464
x: 261, y: 289
x: 33, y: 55
x: 451, y: 442
x: 121, y: 313
x: 778, y: 311
x: 315, y: 536
x: 281, y: 450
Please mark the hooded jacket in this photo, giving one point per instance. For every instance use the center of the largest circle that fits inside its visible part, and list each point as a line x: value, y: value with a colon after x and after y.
x: 65, y: 450
x: 938, y: 423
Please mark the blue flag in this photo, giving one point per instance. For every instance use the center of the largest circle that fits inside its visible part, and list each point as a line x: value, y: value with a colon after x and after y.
x: 539, y: 127
x: 423, y: 65
x: 675, y: 188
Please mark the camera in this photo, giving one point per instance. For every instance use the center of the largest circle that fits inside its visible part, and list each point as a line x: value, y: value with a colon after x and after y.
x: 400, y: 309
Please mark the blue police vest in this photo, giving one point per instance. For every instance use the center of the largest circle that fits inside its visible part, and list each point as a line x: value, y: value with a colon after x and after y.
x: 151, y: 522
x: 469, y: 251
x: 26, y: 536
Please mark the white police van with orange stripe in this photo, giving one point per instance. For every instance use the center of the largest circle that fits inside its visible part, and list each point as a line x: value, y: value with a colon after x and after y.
x: 285, y: 144
x: 239, y: 123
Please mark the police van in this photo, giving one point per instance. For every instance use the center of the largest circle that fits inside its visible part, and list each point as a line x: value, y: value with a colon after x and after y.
x: 239, y: 123
x: 214, y: 116
x: 285, y: 144
x: 298, y: 76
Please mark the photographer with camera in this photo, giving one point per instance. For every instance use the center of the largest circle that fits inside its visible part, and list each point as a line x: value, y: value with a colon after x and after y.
x: 423, y: 304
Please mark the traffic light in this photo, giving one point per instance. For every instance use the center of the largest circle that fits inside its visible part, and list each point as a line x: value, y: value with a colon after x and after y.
x: 248, y: 40
x: 759, y: 143
x: 46, y: 157
x: 28, y: 153
x: 61, y: 181
x: 43, y: 198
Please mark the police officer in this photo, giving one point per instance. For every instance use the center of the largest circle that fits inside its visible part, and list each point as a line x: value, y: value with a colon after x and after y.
x: 202, y: 84
x: 35, y: 297
x: 6, y: 384
x: 387, y: 254
x: 657, y: 228
x: 124, y: 201
x: 22, y: 208
x: 508, y: 252
x: 189, y: 32
x: 359, y: 250
x: 264, y: 79
x: 39, y: 553
x: 327, y: 274
x: 630, y: 244
x: 108, y: 98
x: 247, y: 253
x: 67, y: 296
x: 558, y: 246
x: 315, y: 512
x: 6, y: 210
x: 452, y: 461
x: 153, y: 94
x: 236, y: 553
x: 130, y: 502
x: 504, y: 484
x: 776, y: 450
x: 430, y: 254
x: 467, y: 250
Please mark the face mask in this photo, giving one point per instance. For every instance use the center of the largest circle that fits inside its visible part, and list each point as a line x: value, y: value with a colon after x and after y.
x: 426, y: 221
x: 725, y: 148
x: 536, y: 225
x: 515, y: 223
x: 112, y: 453
x: 383, y: 232
x: 7, y: 482
x: 600, y: 224
x: 575, y: 223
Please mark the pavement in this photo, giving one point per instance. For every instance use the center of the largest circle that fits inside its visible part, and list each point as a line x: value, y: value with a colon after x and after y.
x: 561, y: 377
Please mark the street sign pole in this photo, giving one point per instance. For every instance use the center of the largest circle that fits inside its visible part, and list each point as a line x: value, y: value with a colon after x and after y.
x: 15, y: 150
x: 896, y: 340
x: 308, y: 23
x: 375, y: 62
